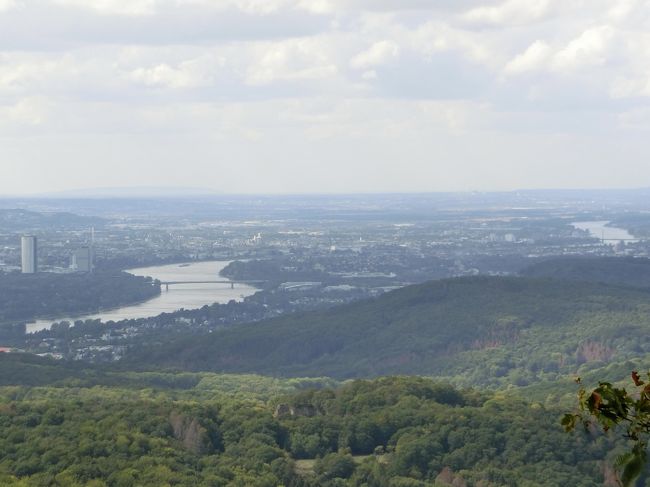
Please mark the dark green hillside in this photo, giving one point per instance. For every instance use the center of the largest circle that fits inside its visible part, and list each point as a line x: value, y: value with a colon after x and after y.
x: 482, y: 331
x: 623, y: 271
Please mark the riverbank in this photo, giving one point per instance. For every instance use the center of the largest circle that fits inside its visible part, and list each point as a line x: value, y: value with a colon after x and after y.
x: 179, y: 296
x: 27, y: 298
x: 82, y: 316
x: 604, y: 232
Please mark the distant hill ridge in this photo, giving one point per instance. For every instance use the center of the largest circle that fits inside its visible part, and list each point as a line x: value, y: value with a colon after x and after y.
x: 624, y: 271
x: 16, y: 219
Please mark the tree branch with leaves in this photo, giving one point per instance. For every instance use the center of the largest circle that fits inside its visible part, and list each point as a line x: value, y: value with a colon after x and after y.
x: 611, y: 408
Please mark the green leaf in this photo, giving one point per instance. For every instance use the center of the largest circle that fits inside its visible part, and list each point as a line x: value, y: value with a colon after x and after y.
x: 632, y: 471
x: 569, y: 422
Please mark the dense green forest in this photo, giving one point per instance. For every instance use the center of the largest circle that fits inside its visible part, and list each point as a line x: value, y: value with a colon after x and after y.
x: 27, y: 296
x: 483, y: 331
x: 163, y: 429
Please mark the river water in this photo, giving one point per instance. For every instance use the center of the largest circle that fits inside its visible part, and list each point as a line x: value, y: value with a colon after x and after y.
x: 187, y: 296
x: 599, y: 229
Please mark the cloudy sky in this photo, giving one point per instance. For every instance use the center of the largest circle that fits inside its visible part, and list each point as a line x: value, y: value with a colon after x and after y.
x: 294, y: 96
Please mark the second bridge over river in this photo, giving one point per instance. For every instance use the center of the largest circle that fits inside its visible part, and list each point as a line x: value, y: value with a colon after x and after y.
x: 232, y: 283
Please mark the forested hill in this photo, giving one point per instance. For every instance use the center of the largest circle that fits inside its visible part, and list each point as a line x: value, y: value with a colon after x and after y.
x: 488, y: 331
x: 623, y: 271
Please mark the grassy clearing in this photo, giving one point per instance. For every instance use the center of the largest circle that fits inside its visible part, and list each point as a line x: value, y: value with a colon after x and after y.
x: 306, y: 467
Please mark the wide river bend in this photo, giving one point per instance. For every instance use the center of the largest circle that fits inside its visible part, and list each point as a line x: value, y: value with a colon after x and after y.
x: 187, y: 296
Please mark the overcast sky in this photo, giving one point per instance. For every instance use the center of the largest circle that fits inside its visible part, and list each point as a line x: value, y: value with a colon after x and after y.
x: 294, y: 96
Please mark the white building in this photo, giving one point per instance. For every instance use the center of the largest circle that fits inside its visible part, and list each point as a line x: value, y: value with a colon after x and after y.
x: 82, y: 260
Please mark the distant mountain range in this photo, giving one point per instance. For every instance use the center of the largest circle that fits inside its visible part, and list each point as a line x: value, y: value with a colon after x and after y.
x: 131, y: 192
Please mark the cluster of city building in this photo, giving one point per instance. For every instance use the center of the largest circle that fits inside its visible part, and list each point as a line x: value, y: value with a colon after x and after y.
x: 81, y: 259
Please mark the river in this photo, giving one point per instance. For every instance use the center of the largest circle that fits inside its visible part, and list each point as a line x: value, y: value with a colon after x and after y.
x: 187, y: 296
x: 611, y: 235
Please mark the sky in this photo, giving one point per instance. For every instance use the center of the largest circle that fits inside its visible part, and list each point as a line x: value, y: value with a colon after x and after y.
x: 324, y: 96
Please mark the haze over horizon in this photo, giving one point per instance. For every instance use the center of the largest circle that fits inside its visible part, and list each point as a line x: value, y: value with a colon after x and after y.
x: 324, y: 96
x: 176, y: 192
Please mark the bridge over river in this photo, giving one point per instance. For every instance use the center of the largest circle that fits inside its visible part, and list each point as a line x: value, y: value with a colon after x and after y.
x: 232, y: 283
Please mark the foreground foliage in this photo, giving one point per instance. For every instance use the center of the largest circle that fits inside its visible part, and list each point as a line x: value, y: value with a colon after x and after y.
x: 249, y: 431
x: 611, y: 407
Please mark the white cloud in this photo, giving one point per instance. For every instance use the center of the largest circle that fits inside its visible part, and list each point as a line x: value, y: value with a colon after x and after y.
x: 292, y: 60
x: 6, y: 5
x: 631, y: 87
x: 317, y: 6
x: 591, y: 48
x: 398, y: 6
x: 165, y: 75
x: 187, y: 74
x: 378, y: 54
x: 30, y: 111
x: 114, y: 7
x: 435, y: 37
x: 24, y: 75
x: 510, y: 12
x: 151, y: 7
x: 258, y: 7
x: 534, y: 58
x: 263, y: 7
x: 636, y: 118
x: 621, y: 10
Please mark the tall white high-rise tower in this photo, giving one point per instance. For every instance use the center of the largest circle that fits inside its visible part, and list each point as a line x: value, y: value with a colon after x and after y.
x: 29, y: 254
